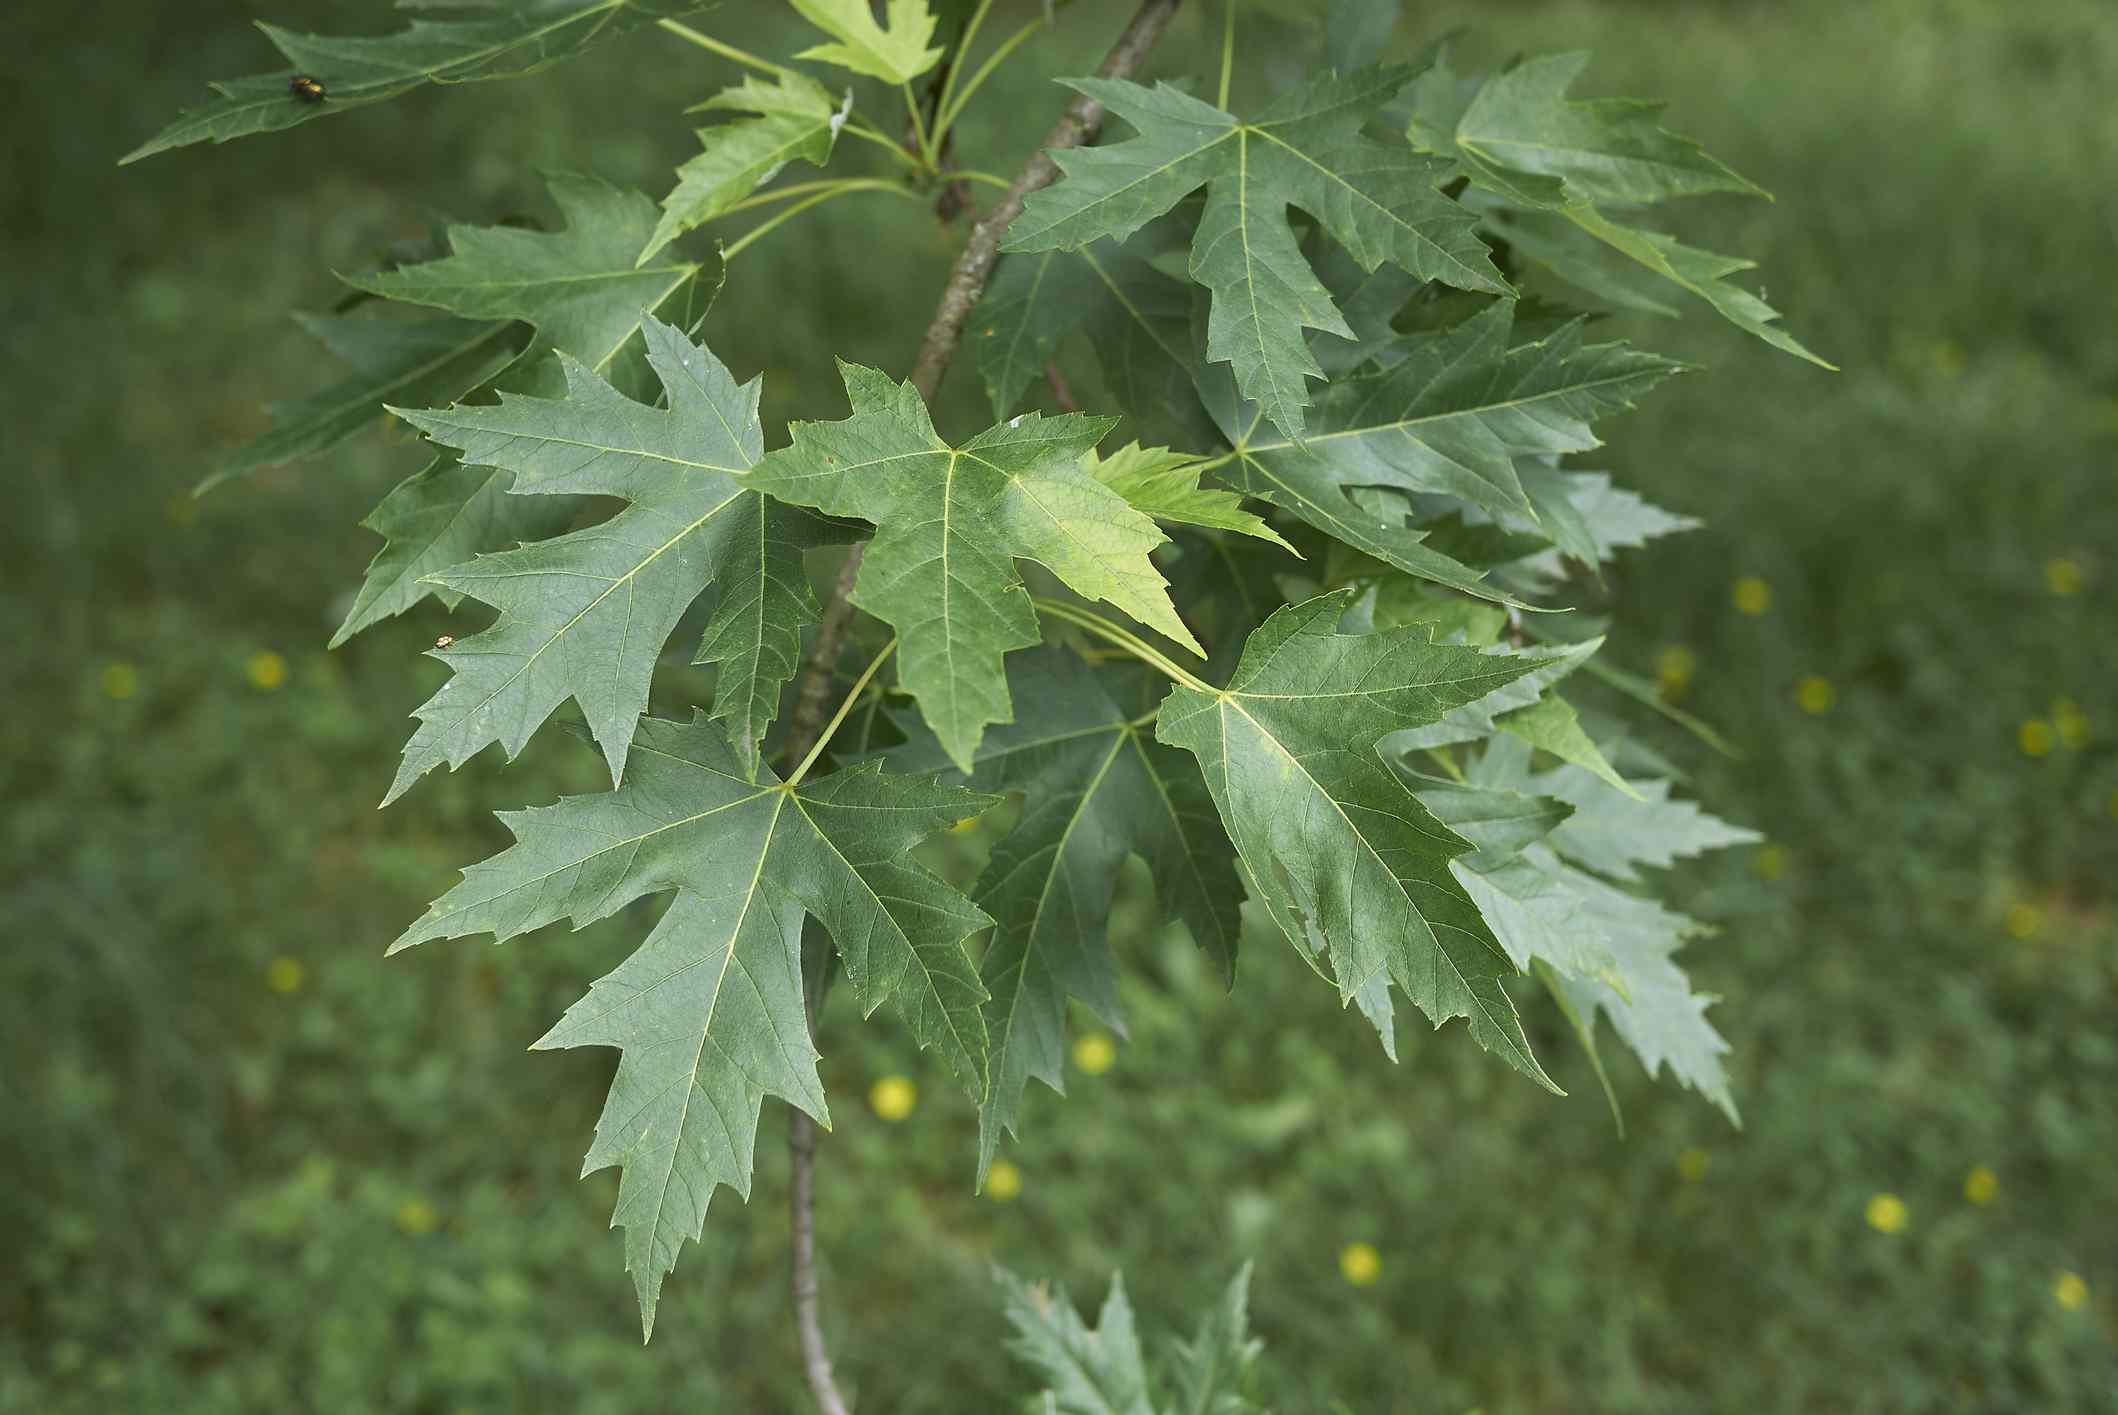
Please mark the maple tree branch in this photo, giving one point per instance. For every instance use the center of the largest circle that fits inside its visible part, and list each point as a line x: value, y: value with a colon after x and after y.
x: 967, y: 282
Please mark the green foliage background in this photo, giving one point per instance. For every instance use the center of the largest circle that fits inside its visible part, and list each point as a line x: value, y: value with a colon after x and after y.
x: 352, y: 1192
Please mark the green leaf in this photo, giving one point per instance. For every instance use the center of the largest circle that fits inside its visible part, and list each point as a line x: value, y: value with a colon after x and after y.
x: 1613, y: 833
x: 507, y: 38
x: 895, y: 53
x: 1604, y: 150
x: 1457, y: 410
x: 1210, y: 1372
x: 1331, y: 835
x: 950, y: 522
x: 1087, y: 1370
x: 1552, y: 725
x: 1380, y: 201
x: 394, y: 361
x: 581, y: 286
x: 1616, y: 518
x: 1096, y: 789
x: 1137, y: 319
x: 585, y: 615
x: 1548, y: 161
x: 748, y: 858
x: 1165, y: 485
x: 796, y: 119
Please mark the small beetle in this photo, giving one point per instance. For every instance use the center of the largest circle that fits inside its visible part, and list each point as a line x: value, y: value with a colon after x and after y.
x: 444, y: 641
x: 306, y: 89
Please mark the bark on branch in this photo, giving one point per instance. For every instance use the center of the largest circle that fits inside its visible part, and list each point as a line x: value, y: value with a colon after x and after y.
x: 967, y: 282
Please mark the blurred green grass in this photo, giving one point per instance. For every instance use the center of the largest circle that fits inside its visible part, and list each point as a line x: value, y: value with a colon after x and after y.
x: 252, y: 1167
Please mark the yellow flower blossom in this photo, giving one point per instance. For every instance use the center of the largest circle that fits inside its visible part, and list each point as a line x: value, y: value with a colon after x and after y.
x: 265, y: 670
x: 2025, y: 920
x: 1981, y: 1185
x: 1887, y: 1213
x: 120, y: 680
x: 1692, y: 1164
x: 417, y: 1216
x: 2070, y: 1292
x: 1003, y: 1181
x: 1815, y: 695
x: 1094, y: 1053
x: 1360, y: 1264
x: 893, y: 1097
x: 1770, y: 863
x: 1752, y: 595
x: 285, y: 975
x: 2034, y: 737
x: 1674, y: 669
x: 2062, y: 576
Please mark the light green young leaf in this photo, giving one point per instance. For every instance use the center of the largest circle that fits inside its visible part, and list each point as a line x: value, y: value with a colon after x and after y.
x: 1087, y: 1370
x: 1458, y: 409
x: 1165, y: 485
x: 1619, y: 519
x: 1380, y: 201
x: 1331, y: 835
x: 506, y: 38
x: 394, y: 361
x: 709, y: 1012
x: 585, y: 615
x: 1552, y: 725
x: 1612, y: 833
x: 1096, y: 788
x: 796, y: 118
x: 583, y: 289
x: 950, y: 522
x: 1211, y: 1371
x: 895, y: 53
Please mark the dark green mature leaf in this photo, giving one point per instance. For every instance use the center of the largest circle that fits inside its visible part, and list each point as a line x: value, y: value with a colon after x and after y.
x: 1456, y: 411
x: 709, y: 1012
x: 1087, y: 1370
x: 1379, y: 201
x: 1137, y: 319
x: 1333, y: 838
x: 394, y: 361
x: 585, y: 616
x: 1096, y: 788
x: 583, y: 289
x: 1548, y: 162
x: 950, y: 522
x: 503, y: 39
x: 797, y: 118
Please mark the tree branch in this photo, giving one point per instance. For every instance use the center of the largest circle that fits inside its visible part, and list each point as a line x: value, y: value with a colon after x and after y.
x: 967, y: 281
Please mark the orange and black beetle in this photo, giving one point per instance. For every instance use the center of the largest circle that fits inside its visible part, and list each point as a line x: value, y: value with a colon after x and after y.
x: 306, y: 89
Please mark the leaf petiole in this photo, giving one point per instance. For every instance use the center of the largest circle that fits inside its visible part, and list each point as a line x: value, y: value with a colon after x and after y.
x: 727, y: 51
x: 1122, y: 638
x: 827, y: 191
x: 845, y: 708
x: 954, y: 105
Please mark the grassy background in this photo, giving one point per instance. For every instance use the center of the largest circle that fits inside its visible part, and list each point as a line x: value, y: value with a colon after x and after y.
x: 252, y: 1167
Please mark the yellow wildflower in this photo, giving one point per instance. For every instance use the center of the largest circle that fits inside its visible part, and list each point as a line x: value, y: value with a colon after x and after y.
x: 2070, y: 1292
x: 1674, y: 668
x: 1981, y: 1185
x: 1770, y: 862
x: 2025, y: 920
x: 120, y: 680
x: 1360, y: 1264
x: 1003, y: 1181
x: 2072, y: 722
x: 285, y: 975
x: 1094, y: 1053
x: 1887, y: 1213
x: 2062, y: 576
x: 2034, y: 737
x: 266, y: 670
x: 1752, y: 595
x: 417, y: 1216
x: 1692, y: 1165
x: 1815, y: 694
x: 893, y: 1097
